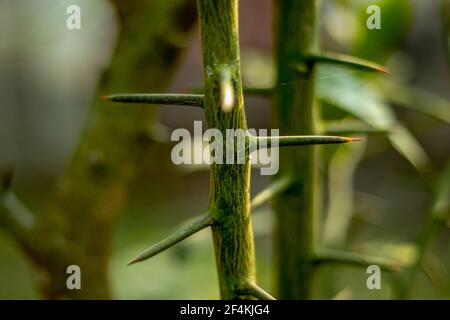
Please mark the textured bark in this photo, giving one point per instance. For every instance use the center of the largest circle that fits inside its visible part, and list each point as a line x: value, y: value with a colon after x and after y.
x: 292, y: 112
x: 93, y: 190
x: 229, y: 183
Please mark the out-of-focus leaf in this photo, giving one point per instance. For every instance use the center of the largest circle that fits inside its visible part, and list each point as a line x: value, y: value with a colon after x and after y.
x: 408, y: 146
x: 341, y: 193
x: 376, y: 45
x: 404, y: 253
x: 341, y: 22
x: 357, y: 96
x: 436, y: 271
x: 341, y: 88
x: 344, y: 294
x: 441, y: 205
x: 416, y: 99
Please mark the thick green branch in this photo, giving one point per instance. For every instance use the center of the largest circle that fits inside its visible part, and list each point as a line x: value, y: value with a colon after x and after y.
x: 189, y: 229
x: 229, y: 183
x: 326, y: 256
x: 195, y: 100
x: 294, y: 112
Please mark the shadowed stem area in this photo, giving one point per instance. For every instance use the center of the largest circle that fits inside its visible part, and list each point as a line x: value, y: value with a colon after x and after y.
x: 292, y: 112
x: 229, y: 184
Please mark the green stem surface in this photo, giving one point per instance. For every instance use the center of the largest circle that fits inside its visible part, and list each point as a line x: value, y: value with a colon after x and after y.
x: 229, y: 184
x: 292, y: 113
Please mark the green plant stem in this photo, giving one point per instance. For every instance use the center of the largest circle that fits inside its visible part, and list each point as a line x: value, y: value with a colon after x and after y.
x: 292, y: 111
x: 229, y: 184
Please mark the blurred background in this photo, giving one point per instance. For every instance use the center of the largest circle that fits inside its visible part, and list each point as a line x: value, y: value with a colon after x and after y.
x: 49, y: 80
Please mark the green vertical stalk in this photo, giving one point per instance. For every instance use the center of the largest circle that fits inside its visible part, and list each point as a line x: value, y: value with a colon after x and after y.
x: 229, y: 183
x: 292, y: 109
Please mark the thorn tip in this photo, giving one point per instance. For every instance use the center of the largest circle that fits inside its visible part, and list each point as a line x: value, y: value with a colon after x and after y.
x: 135, y: 260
